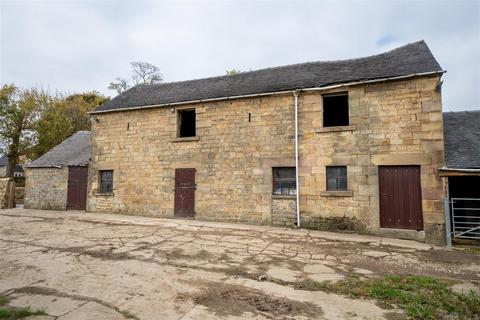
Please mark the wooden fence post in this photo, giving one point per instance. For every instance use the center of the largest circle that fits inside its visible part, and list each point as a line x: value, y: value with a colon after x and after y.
x: 11, y: 194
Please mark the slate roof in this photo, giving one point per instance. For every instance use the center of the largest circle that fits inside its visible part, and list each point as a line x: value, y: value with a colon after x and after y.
x: 410, y: 59
x: 74, y: 151
x: 462, y: 139
x: 4, y: 163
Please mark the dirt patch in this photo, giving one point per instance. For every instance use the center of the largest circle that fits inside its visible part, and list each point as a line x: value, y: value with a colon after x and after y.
x: 54, y: 292
x: 235, y: 300
x: 179, y: 254
x: 449, y: 256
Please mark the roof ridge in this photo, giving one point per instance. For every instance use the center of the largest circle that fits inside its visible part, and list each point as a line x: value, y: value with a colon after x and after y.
x: 279, y: 67
x: 408, y: 60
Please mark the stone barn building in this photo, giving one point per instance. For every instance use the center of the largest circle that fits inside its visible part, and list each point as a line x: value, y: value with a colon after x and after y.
x: 350, y: 145
x: 58, y: 179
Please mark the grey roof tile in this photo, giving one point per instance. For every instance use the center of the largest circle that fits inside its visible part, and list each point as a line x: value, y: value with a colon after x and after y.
x: 74, y: 151
x: 407, y: 60
x: 462, y: 139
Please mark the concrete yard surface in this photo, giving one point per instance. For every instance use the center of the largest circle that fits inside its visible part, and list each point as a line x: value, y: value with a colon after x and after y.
x: 76, y: 265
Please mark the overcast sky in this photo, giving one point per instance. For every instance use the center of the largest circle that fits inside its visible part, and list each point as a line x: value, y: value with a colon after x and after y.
x: 79, y: 46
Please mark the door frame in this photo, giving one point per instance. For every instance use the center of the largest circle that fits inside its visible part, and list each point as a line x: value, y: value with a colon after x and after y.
x: 419, y: 226
x: 176, y: 211
x: 84, y: 206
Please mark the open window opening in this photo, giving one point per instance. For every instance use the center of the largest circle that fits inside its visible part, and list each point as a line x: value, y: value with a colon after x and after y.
x: 335, y: 110
x: 187, y: 123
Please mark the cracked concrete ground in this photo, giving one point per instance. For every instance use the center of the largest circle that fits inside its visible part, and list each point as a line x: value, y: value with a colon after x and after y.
x: 77, y: 265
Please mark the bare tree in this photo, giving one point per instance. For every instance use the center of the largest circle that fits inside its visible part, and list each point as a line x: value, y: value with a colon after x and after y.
x: 142, y: 72
x: 119, y: 85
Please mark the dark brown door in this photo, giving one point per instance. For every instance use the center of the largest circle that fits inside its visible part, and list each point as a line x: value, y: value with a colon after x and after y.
x: 184, y: 193
x: 77, y: 188
x: 400, y: 197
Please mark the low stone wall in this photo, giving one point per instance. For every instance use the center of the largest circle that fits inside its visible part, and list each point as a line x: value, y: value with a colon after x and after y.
x: 46, y: 188
x: 283, y: 212
x: 4, y: 183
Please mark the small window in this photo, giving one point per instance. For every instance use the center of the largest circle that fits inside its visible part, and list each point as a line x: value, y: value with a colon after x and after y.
x: 106, y: 181
x: 337, y: 178
x: 187, y: 125
x: 284, y: 181
x: 335, y: 110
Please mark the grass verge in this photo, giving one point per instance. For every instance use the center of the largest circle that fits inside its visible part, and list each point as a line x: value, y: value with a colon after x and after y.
x: 473, y: 250
x: 420, y: 297
x: 11, y: 313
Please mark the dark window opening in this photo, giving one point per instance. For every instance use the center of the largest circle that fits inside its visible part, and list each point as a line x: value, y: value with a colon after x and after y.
x: 106, y: 181
x: 337, y: 178
x: 187, y: 123
x: 335, y: 110
x: 284, y: 181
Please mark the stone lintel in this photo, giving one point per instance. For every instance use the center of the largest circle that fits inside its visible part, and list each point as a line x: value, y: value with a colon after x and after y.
x: 347, y: 193
x: 336, y: 129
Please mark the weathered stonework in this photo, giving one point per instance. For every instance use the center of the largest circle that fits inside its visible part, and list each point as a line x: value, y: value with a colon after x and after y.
x: 396, y: 123
x: 284, y: 211
x: 391, y: 123
x: 19, y: 194
x: 46, y: 188
x: 3, y: 171
x: 4, y: 187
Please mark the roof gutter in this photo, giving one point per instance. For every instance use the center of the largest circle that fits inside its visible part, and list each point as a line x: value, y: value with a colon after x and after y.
x: 459, y: 169
x: 348, y: 84
x: 43, y: 167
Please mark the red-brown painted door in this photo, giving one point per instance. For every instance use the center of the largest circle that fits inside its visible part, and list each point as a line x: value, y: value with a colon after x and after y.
x: 400, y: 197
x: 184, y: 193
x: 77, y: 188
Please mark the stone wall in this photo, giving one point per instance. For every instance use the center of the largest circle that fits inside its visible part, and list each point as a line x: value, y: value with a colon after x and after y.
x: 3, y: 171
x: 233, y: 158
x: 284, y: 211
x: 19, y: 194
x: 4, y: 187
x: 46, y: 188
x: 394, y: 123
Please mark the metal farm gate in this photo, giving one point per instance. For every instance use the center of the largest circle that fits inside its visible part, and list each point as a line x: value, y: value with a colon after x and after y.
x: 465, y: 218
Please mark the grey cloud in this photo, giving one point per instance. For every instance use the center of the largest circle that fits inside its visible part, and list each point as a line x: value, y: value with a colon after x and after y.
x: 76, y: 46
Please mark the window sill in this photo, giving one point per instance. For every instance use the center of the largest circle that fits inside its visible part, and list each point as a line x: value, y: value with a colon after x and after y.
x: 283, y: 196
x: 185, y: 139
x: 104, y: 194
x: 347, y: 193
x: 336, y: 129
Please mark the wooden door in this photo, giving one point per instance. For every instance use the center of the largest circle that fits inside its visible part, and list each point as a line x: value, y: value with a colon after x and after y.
x: 400, y: 197
x: 184, y: 193
x: 77, y: 188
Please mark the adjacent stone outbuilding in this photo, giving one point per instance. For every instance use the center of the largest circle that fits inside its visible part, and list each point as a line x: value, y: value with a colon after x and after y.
x: 462, y: 173
x: 58, y: 179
